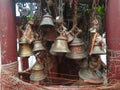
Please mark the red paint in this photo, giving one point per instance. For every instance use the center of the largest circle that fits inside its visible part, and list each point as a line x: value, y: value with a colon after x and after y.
x: 8, y: 30
x: 113, y: 40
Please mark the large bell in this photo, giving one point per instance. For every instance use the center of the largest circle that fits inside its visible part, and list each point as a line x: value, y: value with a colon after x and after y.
x: 77, y: 49
x: 25, y: 50
x: 60, y: 45
x: 98, y: 49
x: 37, y: 72
x: 47, y: 20
x: 38, y: 46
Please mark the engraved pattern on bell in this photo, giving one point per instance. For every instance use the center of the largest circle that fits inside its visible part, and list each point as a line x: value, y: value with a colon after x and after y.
x: 77, y: 49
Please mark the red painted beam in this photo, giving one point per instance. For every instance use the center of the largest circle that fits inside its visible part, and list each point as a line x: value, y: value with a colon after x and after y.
x: 113, y: 40
x: 8, y: 33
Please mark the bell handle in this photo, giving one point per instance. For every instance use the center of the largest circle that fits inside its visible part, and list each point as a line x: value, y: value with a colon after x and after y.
x: 77, y: 31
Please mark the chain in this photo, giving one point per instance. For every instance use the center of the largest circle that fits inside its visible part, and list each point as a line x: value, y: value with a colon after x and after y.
x: 94, y: 5
x: 75, y: 12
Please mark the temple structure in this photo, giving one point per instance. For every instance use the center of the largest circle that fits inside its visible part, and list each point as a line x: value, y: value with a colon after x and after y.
x: 9, y: 54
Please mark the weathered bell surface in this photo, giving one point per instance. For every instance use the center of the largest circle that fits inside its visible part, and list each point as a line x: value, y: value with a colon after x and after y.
x: 37, y: 76
x: 38, y: 46
x: 52, y: 53
x: 25, y: 50
x: 47, y: 20
x: 60, y: 45
x: 98, y: 49
x: 37, y: 72
x: 38, y: 66
x: 77, y: 49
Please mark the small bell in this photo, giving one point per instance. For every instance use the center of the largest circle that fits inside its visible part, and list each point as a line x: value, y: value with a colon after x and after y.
x: 47, y: 20
x: 25, y: 50
x: 97, y: 46
x: 60, y: 45
x: 77, y: 49
x: 37, y: 72
x: 52, y: 53
x: 98, y: 49
x: 38, y: 46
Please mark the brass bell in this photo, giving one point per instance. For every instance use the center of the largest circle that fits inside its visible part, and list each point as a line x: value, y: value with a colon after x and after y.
x: 38, y: 45
x: 52, y: 53
x: 98, y: 49
x: 77, y: 49
x: 47, y: 20
x: 60, y: 45
x: 25, y: 50
x: 37, y: 72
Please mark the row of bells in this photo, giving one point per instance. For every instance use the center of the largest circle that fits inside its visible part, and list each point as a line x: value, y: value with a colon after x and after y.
x: 76, y: 47
x: 25, y: 49
x: 60, y: 45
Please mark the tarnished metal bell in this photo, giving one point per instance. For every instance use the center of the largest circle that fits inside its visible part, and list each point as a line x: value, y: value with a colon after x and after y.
x: 51, y: 52
x: 60, y: 45
x: 37, y: 72
x: 98, y: 49
x: 25, y: 50
x: 77, y: 49
x: 38, y: 45
x: 47, y: 20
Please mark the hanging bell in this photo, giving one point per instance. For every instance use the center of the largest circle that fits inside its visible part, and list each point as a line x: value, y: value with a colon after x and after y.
x: 60, y: 45
x: 37, y: 72
x: 25, y: 50
x: 77, y: 49
x: 47, y: 20
x: 52, y: 53
x: 38, y: 45
x: 98, y: 49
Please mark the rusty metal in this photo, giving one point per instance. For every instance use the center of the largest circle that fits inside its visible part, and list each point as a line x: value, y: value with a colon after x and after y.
x: 77, y: 49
